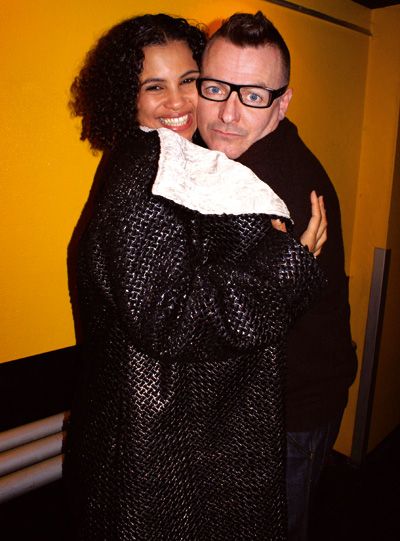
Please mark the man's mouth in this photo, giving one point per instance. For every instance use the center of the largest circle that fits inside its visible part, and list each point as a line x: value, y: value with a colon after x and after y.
x: 223, y: 133
x: 175, y: 122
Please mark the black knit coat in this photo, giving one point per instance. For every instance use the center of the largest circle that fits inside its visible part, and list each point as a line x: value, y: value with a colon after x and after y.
x: 176, y: 432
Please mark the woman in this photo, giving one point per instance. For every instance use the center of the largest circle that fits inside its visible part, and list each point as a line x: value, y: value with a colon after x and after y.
x: 185, y: 296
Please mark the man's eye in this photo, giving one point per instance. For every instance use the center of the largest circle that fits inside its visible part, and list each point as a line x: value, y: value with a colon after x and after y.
x: 215, y: 90
x: 253, y: 97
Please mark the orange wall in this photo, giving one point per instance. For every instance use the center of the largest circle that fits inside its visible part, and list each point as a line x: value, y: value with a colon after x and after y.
x: 377, y: 218
x: 46, y: 172
x: 386, y: 408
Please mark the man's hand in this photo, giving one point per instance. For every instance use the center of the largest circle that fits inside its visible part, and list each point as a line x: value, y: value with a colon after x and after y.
x: 315, y: 236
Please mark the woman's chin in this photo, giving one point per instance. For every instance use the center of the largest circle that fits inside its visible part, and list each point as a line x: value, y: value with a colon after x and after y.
x: 186, y: 133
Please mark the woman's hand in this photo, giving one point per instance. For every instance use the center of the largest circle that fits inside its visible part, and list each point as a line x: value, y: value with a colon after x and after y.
x: 315, y: 236
x: 277, y: 224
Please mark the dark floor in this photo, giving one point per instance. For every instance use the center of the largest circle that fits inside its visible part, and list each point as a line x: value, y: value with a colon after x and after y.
x: 361, y: 503
x: 353, y: 504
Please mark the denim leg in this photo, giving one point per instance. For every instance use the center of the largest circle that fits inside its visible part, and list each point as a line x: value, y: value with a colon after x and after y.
x: 307, y: 453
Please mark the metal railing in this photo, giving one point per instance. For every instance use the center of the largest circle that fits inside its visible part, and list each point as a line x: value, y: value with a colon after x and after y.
x: 31, y: 456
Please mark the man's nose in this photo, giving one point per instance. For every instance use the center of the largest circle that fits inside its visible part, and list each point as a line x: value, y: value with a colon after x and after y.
x: 230, y: 109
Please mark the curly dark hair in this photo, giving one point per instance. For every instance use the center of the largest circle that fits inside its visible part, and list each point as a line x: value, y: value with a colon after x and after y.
x: 104, y: 92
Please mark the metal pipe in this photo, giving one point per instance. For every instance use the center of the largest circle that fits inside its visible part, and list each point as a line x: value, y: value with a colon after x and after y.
x: 320, y: 15
x: 30, y: 453
x: 32, y: 431
x: 30, y: 478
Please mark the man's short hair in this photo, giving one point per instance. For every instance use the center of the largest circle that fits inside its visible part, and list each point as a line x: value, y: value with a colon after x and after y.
x: 248, y: 30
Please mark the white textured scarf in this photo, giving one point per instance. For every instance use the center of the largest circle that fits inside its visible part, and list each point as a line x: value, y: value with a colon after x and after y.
x: 209, y: 182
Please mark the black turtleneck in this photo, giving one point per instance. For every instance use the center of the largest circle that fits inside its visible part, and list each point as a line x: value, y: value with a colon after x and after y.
x: 321, y: 358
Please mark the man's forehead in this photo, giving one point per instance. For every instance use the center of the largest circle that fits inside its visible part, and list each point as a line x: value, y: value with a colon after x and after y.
x: 246, y: 64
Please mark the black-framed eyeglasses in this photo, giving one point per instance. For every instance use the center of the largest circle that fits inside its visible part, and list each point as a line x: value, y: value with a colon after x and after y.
x: 256, y: 96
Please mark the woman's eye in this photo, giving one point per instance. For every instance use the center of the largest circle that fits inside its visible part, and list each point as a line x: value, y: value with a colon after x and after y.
x: 152, y: 88
x: 189, y: 80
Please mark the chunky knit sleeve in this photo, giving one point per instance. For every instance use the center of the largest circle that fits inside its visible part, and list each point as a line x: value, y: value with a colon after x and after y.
x: 183, y: 283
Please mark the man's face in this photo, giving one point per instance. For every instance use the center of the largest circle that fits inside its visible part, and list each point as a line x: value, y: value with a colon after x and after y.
x: 230, y: 126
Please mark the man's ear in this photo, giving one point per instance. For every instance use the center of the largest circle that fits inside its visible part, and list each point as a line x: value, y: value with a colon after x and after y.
x: 284, y: 103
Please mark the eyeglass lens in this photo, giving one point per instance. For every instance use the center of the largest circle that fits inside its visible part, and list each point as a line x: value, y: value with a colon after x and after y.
x: 249, y: 95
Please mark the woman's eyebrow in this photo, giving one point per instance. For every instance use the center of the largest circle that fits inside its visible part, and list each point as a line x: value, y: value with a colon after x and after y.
x: 152, y: 80
x: 160, y: 80
x: 189, y: 72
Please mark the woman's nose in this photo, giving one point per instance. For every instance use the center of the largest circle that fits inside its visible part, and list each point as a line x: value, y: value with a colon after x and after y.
x: 175, y: 98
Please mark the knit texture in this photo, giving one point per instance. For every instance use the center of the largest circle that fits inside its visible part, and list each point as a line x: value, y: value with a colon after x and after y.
x: 176, y: 432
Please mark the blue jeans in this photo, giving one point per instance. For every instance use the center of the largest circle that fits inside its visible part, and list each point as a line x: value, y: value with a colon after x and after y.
x: 307, y: 453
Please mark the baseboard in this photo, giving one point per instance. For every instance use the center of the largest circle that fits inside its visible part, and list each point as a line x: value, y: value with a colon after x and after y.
x: 36, y: 387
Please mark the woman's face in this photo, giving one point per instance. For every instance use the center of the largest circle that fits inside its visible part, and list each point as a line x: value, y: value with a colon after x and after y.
x: 168, y: 96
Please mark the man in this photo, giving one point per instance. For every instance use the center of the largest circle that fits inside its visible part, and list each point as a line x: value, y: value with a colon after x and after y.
x: 248, y: 124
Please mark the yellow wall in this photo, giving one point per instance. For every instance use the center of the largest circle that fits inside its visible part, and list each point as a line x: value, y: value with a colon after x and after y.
x: 377, y: 218
x: 386, y: 408
x: 46, y: 172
